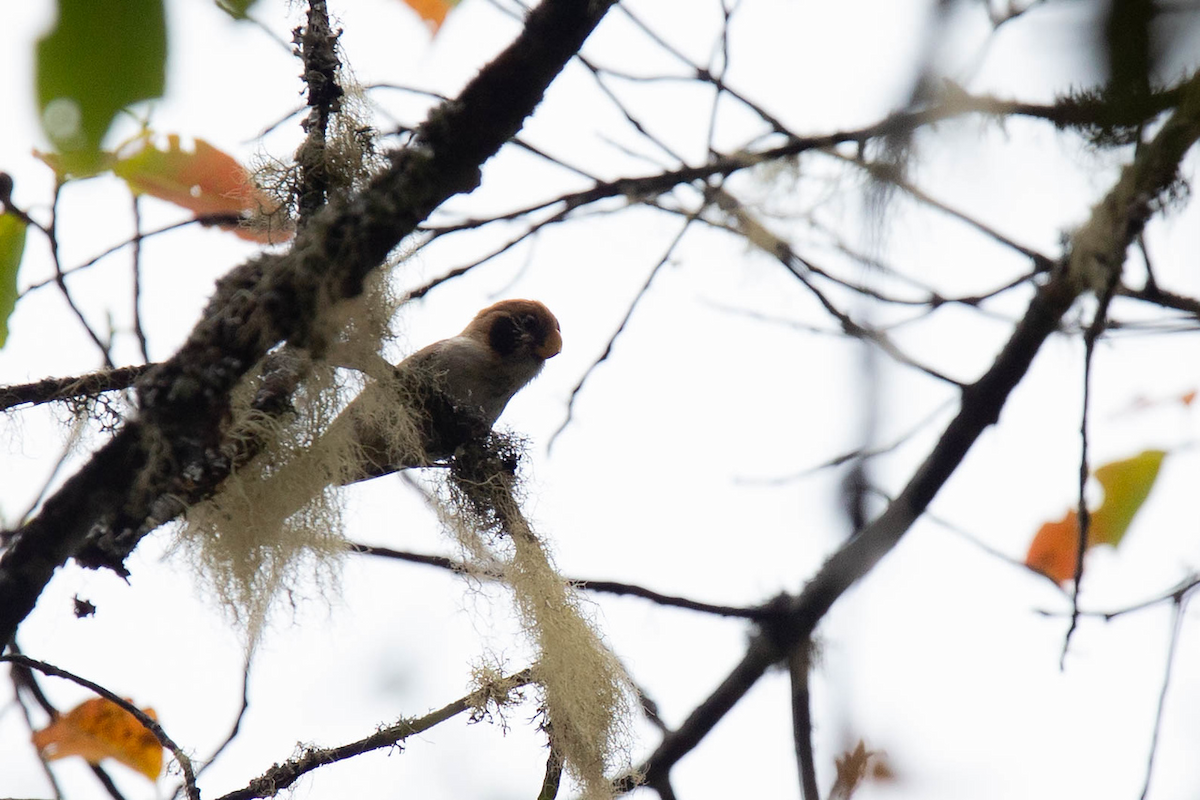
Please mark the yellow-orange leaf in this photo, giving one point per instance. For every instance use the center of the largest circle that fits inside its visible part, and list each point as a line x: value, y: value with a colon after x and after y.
x: 203, y: 180
x: 432, y: 11
x: 98, y: 729
x: 1127, y: 484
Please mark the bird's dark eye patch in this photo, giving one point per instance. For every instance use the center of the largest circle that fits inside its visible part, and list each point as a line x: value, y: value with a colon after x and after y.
x: 505, y: 335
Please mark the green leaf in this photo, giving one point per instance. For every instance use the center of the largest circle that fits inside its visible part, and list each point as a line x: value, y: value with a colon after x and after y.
x: 238, y: 9
x: 12, y: 247
x: 101, y: 57
x: 1126, y: 484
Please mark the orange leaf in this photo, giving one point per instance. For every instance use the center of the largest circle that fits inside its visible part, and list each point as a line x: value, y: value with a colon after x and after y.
x: 98, y: 729
x: 1127, y: 484
x: 1055, y: 547
x: 1187, y: 398
x: 432, y: 11
x: 204, y: 180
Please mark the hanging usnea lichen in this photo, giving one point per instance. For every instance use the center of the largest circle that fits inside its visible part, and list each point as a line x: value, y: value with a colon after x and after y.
x: 586, y: 695
x: 276, y: 521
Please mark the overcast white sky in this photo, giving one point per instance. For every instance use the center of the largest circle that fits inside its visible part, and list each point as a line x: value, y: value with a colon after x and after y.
x: 665, y: 475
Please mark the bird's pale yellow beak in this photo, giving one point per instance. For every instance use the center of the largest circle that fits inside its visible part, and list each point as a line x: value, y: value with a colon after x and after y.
x: 551, y: 347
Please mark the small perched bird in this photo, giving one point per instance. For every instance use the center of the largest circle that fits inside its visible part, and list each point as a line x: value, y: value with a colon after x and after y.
x: 456, y: 389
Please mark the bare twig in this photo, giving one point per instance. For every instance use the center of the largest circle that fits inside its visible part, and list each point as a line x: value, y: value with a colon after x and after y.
x: 24, y: 679
x: 1176, y: 629
x: 603, y: 587
x: 147, y: 721
x: 136, y: 259
x: 666, y: 256
x: 59, y: 463
x: 60, y: 280
x: 237, y: 721
x: 1090, y: 337
x: 743, y: 224
x: 204, y: 220
x: 799, y: 667
x: 855, y: 454
x: 281, y: 776
x: 889, y: 174
x: 705, y: 74
x: 1172, y: 595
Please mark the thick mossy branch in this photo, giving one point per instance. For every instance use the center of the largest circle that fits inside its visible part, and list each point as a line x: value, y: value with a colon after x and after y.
x: 1111, y: 118
x: 587, y: 697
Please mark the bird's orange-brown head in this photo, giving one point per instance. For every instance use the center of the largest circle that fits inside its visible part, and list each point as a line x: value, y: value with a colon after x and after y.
x: 511, y: 325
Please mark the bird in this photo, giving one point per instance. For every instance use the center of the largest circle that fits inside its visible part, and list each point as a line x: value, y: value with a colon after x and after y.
x: 451, y: 392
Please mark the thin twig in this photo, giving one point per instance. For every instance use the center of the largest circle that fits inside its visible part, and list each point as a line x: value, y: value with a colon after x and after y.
x: 205, y: 220
x: 604, y: 587
x: 889, y: 174
x: 147, y: 721
x: 1172, y: 646
x: 799, y: 668
x: 629, y: 116
x: 61, y: 282
x: 758, y: 613
x: 1172, y: 595
x: 852, y: 455
x: 1090, y: 337
x: 233, y: 732
x: 237, y: 721
x: 23, y: 678
x: 67, y: 449
x: 666, y: 256
x: 424, y: 289
x: 281, y: 776
x: 703, y: 74
x: 136, y: 259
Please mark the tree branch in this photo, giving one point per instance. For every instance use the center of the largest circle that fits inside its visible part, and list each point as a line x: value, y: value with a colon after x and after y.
x: 50, y: 390
x: 281, y: 776
x: 757, y: 613
x: 1099, y: 246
